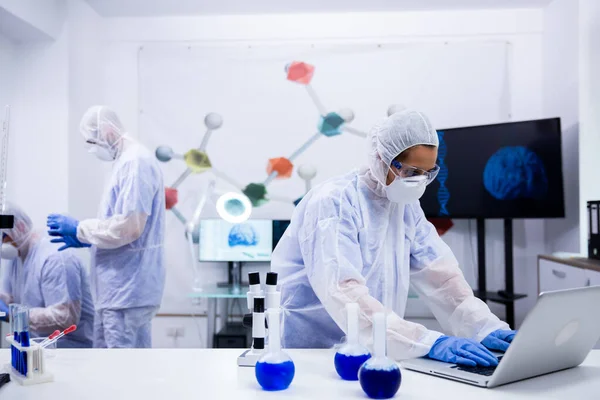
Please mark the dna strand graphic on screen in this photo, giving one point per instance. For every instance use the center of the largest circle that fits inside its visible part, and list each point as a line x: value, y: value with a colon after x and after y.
x: 443, y: 194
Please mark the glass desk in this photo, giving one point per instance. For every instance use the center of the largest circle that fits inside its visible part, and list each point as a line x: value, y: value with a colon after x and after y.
x: 218, y: 304
x: 218, y: 299
x: 212, y: 291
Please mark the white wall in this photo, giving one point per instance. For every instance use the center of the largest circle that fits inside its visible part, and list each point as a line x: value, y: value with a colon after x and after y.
x: 521, y: 28
x: 560, y: 95
x: 44, y: 17
x: 86, y: 76
x: 38, y: 166
x: 54, y: 81
x: 7, y: 72
x: 589, y: 103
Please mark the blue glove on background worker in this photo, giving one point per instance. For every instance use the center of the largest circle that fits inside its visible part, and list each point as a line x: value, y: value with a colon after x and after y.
x: 61, y: 225
x: 3, y: 309
x: 66, y: 228
x: 499, y: 340
x: 462, y: 351
x: 69, y: 241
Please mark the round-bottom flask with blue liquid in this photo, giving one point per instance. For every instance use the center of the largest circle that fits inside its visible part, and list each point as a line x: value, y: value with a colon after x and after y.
x: 380, y: 378
x: 351, y: 355
x: 275, y: 371
x: 349, y: 359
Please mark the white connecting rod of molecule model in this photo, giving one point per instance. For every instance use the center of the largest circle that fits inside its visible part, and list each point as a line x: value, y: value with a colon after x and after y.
x: 227, y: 178
x: 313, y: 95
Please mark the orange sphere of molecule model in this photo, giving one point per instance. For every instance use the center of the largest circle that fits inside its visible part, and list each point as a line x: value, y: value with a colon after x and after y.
x: 282, y: 166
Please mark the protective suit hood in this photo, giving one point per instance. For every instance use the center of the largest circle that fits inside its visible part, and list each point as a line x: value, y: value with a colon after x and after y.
x: 101, y: 126
x: 22, y: 232
x: 390, y: 137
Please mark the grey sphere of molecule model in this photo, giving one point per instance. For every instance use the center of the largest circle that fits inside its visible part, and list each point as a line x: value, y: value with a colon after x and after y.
x: 346, y: 114
x: 194, y: 231
x: 394, y: 108
x: 213, y: 121
x: 164, y: 153
x: 307, y: 172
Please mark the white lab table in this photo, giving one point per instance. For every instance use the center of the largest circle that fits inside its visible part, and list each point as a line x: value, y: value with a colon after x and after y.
x: 213, y: 374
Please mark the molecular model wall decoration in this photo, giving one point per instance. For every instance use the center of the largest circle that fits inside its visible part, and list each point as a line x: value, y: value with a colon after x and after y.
x: 329, y: 124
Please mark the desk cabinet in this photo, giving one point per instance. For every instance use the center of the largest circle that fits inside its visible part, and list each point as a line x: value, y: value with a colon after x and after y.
x: 567, y: 273
x: 594, y: 277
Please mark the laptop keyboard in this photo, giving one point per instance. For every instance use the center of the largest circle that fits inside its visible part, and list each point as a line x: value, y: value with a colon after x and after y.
x: 485, y: 371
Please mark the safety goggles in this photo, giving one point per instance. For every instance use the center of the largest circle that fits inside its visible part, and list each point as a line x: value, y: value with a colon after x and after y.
x: 89, y: 143
x: 405, y: 171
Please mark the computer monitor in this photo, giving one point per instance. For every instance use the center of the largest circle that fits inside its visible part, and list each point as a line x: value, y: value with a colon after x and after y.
x: 279, y: 228
x: 510, y: 170
x: 222, y: 241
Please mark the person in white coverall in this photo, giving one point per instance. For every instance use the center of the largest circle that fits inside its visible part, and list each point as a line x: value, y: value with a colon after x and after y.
x: 127, y: 238
x: 54, y: 285
x: 363, y: 238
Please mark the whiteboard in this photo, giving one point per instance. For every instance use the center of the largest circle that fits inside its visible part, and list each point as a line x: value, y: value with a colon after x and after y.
x: 266, y: 116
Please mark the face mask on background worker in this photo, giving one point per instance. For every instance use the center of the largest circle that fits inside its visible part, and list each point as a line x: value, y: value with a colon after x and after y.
x: 9, y: 252
x: 101, y: 153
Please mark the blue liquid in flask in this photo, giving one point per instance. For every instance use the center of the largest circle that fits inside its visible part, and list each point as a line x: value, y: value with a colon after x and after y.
x: 274, y: 377
x: 347, y: 366
x: 380, y: 381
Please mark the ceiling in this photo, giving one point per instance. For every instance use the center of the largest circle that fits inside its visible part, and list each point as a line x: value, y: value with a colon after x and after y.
x: 157, y: 8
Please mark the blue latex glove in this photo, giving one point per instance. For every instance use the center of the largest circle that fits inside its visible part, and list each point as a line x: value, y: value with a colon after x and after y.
x: 462, y: 351
x: 69, y: 241
x: 499, y: 340
x: 61, y: 225
x: 3, y: 309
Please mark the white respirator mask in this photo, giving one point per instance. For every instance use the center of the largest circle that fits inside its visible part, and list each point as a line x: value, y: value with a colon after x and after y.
x: 406, y: 190
x: 102, y: 153
x: 9, y: 252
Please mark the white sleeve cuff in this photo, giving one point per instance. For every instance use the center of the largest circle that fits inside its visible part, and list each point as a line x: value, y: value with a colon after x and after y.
x: 430, y: 338
x: 482, y: 334
x: 113, y: 232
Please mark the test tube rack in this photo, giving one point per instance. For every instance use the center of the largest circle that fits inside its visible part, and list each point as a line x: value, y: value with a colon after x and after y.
x: 36, y: 371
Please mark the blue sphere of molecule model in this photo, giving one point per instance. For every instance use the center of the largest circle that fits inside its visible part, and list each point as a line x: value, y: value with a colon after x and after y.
x: 380, y: 378
x: 243, y: 235
x: 515, y: 172
x: 164, y: 153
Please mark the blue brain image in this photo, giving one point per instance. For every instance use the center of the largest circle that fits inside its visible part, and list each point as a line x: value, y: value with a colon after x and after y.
x: 243, y: 235
x: 515, y: 172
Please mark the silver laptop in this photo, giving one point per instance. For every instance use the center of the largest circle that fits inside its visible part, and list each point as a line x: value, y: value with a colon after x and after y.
x: 557, y: 334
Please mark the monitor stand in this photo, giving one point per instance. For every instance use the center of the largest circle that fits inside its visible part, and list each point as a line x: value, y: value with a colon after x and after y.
x: 234, y: 272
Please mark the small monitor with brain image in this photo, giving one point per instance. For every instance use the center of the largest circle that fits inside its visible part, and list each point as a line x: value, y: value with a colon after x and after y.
x: 222, y: 241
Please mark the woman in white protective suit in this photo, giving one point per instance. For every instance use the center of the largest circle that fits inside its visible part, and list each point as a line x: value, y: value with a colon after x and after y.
x: 363, y: 238
x: 127, y: 237
x: 54, y: 285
